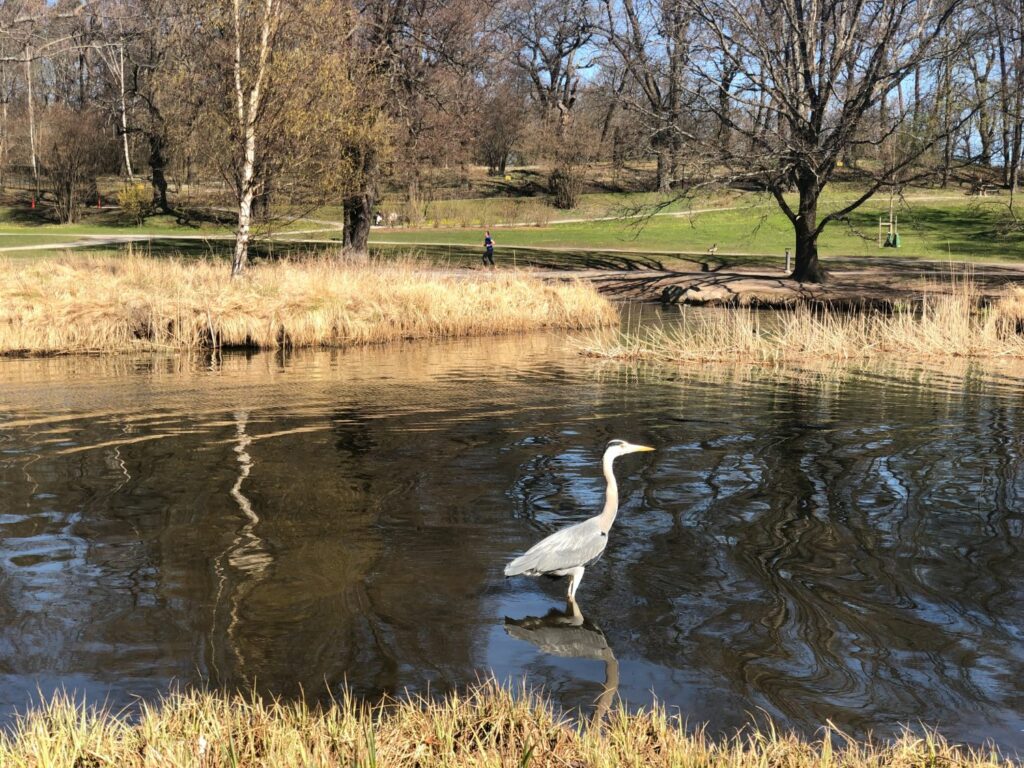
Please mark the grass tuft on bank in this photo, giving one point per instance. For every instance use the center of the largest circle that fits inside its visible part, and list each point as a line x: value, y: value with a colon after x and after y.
x: 488, y: 726
x: 944, y: 325
x: 119, y: 304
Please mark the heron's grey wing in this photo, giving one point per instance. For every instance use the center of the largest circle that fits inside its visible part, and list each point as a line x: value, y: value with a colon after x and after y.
x: 570, y: 547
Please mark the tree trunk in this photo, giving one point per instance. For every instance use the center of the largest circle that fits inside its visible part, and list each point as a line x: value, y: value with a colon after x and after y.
x: 157, y: 163
x: 724, y: 131
x: 947, y: 125
x: 124, y: 116
x: 917, y: 97
x: 1018, y: 120
x: 31, y: 118
x: 81, y: 79
x: 358, y: 208
x: 985, y: 136
x: 358, y: 213
x: 249, y: 105
x: 1004, y: 105
x: 676, y: 174
x: 3, y: 145
x: 807, y: 268
x: 664, y: 177
x: 1015, y: 155
x: 241, y: 257
x: 262, y: 194
x: 247, y: 189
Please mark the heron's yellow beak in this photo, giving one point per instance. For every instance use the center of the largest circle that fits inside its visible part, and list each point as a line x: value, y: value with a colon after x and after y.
x: 638, y: 448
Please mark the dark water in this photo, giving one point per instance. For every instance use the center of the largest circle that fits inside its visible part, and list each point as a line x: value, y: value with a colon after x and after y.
x: 844, y: 548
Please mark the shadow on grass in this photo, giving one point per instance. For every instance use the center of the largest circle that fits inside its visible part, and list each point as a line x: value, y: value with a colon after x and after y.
x: 213, y: 248
x: 21, y: 213
x: 983, y: 230
x: 470, y: 256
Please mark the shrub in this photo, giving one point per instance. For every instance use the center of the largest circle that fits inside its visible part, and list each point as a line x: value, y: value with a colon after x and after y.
x: 136, y: 202
x: 74, y: 150
x: 566, y: 186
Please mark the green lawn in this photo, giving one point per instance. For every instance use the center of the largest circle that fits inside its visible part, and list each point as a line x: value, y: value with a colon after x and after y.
x: 23, y: 239
x: 753, y: 230
x: 112, y: 222
x: 961, y: 228
x: 199, y: 236
x: 524, y: 209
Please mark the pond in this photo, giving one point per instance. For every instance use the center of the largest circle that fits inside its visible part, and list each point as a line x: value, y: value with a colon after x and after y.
x: 803, y: 545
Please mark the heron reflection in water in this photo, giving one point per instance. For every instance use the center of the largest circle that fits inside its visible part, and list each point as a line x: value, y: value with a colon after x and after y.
x: 568, y: 634
x: 569, y: 551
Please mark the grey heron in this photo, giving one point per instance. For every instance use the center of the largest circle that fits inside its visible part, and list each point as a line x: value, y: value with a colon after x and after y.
x: 569, y: 551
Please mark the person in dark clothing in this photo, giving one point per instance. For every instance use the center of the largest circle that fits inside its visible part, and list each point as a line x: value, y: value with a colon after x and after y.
x: 488, y: 257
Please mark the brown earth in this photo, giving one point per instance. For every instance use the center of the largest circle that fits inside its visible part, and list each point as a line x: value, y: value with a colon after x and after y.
x: 852, y: 283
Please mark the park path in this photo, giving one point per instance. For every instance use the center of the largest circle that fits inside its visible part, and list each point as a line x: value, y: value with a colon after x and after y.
x: 327, y: 225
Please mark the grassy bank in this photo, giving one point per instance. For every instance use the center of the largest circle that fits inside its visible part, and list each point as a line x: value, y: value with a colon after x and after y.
x: 119, y: 304
x: 486, y: 727
x: 747, y: 227
x: 952, y: 324
x: 943, y: 225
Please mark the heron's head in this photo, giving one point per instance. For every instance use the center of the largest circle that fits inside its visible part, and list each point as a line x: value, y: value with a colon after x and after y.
x: 616, y: 448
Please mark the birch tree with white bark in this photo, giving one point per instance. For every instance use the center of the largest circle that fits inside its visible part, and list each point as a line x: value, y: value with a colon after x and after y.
x: 255, y: 26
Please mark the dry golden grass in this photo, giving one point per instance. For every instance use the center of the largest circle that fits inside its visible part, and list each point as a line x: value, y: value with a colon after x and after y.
x: 485, y: 727
x: 130, y: 303
x: 952, y: 324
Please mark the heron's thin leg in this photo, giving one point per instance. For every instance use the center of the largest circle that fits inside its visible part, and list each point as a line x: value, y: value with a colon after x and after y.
x: 575, y: 577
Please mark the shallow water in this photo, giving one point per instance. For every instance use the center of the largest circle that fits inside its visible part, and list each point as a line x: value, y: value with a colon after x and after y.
x: 814, y: 547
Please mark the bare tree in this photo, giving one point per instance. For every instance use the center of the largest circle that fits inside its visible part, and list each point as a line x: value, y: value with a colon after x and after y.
x: 74, y: 149
x: 546, y: 39
x: 34, y: 31
x: 112, y: 54
x: 501, y: 124
x: 420, y: 58
x: 808, y: 75
x: 1008, y: 17
x: 255, y: 25
x: 651, y: 40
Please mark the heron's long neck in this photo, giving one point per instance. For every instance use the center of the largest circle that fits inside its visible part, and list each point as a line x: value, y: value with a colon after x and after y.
x: 611, y: 499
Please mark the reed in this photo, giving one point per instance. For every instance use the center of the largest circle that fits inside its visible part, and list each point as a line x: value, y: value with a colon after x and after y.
x: 132, y: 303
x: 950, y: 324
x: 487, y: 726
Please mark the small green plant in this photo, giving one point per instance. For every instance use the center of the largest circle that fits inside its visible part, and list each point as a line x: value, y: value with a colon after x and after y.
x: 136, y: 202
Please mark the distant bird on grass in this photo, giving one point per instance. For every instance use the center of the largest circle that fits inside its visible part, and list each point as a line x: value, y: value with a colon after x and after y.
x: 569, y: 551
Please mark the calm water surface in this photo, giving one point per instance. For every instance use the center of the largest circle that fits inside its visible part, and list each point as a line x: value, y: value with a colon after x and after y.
x: 844, y: 548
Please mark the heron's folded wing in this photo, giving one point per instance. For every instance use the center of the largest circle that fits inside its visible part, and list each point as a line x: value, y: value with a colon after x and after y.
x: 568, y: 548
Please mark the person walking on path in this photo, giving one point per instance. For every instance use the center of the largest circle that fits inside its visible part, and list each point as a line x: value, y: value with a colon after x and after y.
x: 488, y: 257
